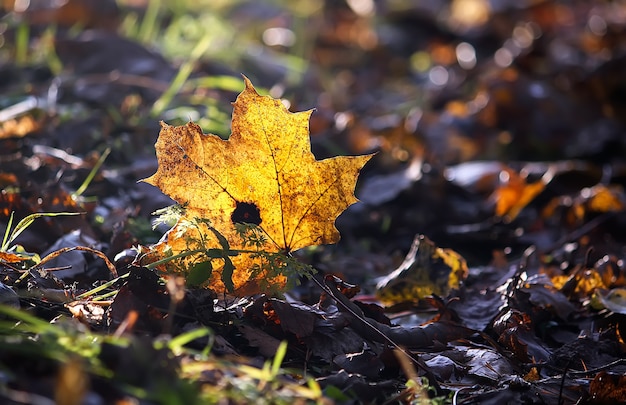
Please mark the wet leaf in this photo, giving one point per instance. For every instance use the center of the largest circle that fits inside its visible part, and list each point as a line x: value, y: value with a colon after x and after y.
x: 265, y: 175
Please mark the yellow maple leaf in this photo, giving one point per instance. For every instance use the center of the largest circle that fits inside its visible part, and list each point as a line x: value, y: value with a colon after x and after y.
x: 264, y: 174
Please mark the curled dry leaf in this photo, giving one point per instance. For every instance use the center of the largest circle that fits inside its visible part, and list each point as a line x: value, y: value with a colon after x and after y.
x: 7, y: 257
x: 264, y: 174
x: 427, y: 269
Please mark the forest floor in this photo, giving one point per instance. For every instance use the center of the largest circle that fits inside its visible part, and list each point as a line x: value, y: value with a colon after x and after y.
x: 483, y: 263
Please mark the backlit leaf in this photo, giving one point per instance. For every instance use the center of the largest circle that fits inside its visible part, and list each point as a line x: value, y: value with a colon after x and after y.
x: 264, y: 174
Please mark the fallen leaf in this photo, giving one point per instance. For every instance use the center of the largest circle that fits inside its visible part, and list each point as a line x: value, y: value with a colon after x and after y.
x: 614, y: 300
x: 264, y: 342
x: 515, y: 192
x: 604, y: 199
x: 143, y: 295
x: 18, y: 127
x: 6, y: 257
x: 427, y: 269
x: 364, y: 363
x: 489, y: 364
x: 607, y: 388
x: 516, y: 335
x: 265, y: 175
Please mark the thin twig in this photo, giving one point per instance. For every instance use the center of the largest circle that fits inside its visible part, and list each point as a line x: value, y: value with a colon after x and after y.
x: 345, y: 303
x: 96, y: 252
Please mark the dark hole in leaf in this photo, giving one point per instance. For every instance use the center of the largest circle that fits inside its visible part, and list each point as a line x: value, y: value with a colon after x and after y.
x: 246, y: 213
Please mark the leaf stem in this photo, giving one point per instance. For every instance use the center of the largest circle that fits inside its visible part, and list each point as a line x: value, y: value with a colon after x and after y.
x: 170, y: 258
x: 101, y: 287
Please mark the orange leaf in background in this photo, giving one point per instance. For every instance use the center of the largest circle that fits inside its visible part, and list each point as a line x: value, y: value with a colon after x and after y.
x: 607, y: 388
x: 516, y: 193
x: 18, y: 127
x: 265, y: 174
x: 603, y: 198
x: 6, y: 257
x: 597, y: 199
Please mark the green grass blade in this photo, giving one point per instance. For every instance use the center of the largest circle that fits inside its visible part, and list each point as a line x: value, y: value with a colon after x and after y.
x: 149, y: 22
x: 228, y: 83
x: 281, y: 351
x: 101, y: 287
x: 176, y: 344
x: 32, y: 323
x: 183, y: 74
x: 26, y: 222
x: 5, y: 239
x: 92, y: 174
x: 22, y: 38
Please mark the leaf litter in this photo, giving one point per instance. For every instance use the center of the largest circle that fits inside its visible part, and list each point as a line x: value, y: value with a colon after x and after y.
x: 538, y: 325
